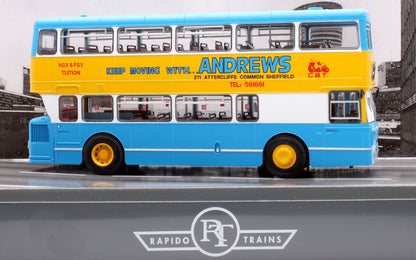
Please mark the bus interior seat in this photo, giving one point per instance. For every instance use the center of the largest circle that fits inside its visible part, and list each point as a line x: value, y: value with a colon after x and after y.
x: 69, y: 49
x: 194, y: 46
x: 218, y: 46
x: 82, y: 50
x: 223, y: 115
x: 92, y: 48
x: 226, y: 46
x: 199, y: 116
x: 212, y: 116
x: 246, y: 116
x: 151, y: 115
x: 107, y: 49
x: 131, y: 48
x: 142, y: 47
x: 180, y: 47
x: 250, y: 45
x: 155, y: 47
x: 277, y: 45
x: 188, y: 116
x: 204, y: 47
x: 120, y: 48
x: 166, y: 46
x: 326, y: 44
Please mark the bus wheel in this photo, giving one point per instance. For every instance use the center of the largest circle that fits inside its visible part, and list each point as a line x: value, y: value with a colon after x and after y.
x: 285, y: 157
x: 103, y: 154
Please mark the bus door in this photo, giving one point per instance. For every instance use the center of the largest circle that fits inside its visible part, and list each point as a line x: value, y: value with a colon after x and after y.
x: 67, y: 132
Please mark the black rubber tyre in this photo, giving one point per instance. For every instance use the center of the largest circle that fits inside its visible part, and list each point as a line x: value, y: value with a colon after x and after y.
x: 285, y: 157
x: 103, y: 154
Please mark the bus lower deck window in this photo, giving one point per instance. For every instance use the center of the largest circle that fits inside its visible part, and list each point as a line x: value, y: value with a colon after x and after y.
x: 344, y: 106
x: 97, y: 108
x: 203, y: 108
x: 68, y: 108
x: 247, y: 108
x: 144, y: 108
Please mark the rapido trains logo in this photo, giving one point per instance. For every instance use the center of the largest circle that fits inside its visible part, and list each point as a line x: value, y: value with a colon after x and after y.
x: 215, y: 232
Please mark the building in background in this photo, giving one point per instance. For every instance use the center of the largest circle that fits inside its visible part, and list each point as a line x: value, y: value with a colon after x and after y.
x: 3, y: 83
x: 387, y: 100
x: 408, y: 78
x: 16, y: 110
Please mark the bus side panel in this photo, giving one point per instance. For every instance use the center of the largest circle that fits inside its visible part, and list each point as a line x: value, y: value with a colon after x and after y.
x: 68, y: 146
x: 346, y: 145
x: 329, y: 145
x: 204, y: 144
x: 150, y: 144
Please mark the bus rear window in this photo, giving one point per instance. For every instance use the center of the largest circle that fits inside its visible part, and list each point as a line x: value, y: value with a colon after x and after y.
x: 47, y: 42
x: 344, y: 106
x: 329, y: 35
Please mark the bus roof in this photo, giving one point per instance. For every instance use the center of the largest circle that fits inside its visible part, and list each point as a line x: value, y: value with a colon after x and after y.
x: 314, y: 15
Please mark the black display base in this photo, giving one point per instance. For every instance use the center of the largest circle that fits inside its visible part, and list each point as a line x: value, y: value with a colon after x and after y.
x: 221, y: 220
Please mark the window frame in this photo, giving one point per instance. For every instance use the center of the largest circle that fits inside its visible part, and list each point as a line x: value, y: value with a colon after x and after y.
x: 75, y: 106
x: 327, y: 47
x: 259, y: 25
x: 255, y: 119
x: 344, y: 103
x: 157, y: 118
x: 212, y: 117
x: 83, y: 112
x: 127, y: 28
x: 86, y: 49
x: 230, y: 43
x: 46, y: 51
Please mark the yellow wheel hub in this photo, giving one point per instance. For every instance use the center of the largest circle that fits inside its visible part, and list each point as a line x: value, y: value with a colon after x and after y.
x: 284, y: 156
x: 102, y: 154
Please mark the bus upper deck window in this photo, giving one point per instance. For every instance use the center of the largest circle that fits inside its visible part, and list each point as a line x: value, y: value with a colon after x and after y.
x: 265, y: 37
x: 140, y: 40
x: 339, y: 35
x: 87, y: 41
x: 47, y: 42
x: 203, y: 38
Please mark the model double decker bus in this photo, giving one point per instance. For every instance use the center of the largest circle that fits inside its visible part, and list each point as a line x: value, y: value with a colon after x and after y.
x: 279, y: 90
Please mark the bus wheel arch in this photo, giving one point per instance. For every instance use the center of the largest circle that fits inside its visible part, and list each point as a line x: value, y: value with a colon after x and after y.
x: 284, y: 156
x: 103, y: 154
